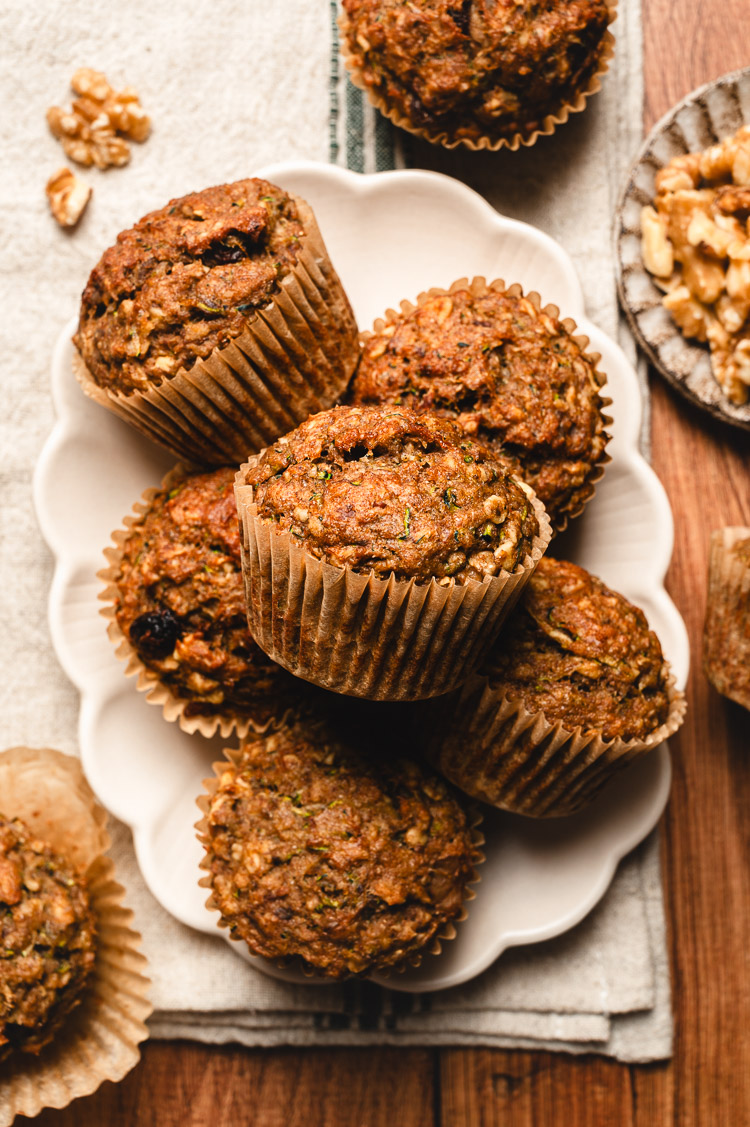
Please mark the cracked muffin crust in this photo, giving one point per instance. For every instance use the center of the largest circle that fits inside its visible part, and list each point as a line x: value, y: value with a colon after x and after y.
x: 393, y: 491
x: 508, y: 373
x: 182, y: 280
x: 316, y: 851
x: 474, y: 69
x: 581, y: 654
x: 47, y: 939
x: 180, y: 602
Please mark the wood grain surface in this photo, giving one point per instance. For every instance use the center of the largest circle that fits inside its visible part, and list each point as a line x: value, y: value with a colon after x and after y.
x: 705, y: 468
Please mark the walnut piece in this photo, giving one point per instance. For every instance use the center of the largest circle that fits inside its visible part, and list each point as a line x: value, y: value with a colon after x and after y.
x: 695, y: 240
x: 68, y: 195
x: 100, y: 122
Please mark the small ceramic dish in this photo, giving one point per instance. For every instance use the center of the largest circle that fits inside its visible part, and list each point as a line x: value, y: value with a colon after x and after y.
x: 705, y: 116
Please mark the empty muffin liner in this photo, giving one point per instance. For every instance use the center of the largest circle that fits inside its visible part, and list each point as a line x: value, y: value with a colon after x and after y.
x: 478, y: 287
x: 436, y: 136
x: 358, y: 634
x: 148, y: 680
x: 726, y: 637
x: 434, y: 947
x: 492, y: 748
x: 294, y: 358
x: 100, y: 1038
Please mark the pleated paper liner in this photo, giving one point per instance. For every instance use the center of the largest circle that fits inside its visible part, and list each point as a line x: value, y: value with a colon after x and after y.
x: 174, y: 707
x: 478, y: 287
x: 295, y: 357
x: 495, y: 750
x: 100, y: 1038
x: 357, y: 634
x: 726, y: 637
x: 444, y: 934
x: 436, y: 136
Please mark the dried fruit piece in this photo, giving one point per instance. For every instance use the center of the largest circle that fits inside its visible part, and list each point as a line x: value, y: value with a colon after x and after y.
x: 68, y: 195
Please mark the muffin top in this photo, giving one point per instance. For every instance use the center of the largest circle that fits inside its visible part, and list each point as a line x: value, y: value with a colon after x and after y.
x: 183, y: 281
x: 352, y: 864
x: 487, y: 68
x: 388, y: 490
x: 508, y: 373
x: 181, y: 603
x: 47, y: 939
x: 581, y: 654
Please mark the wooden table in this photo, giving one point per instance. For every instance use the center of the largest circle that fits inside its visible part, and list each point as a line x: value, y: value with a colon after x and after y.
x: 706, y: 471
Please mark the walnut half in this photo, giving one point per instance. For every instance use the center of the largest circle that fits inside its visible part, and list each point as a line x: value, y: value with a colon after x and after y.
x: 95, y: 129
x: 68, y: 195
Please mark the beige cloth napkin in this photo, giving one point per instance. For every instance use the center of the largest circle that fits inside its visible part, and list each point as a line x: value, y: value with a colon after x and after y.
x: 232, y: 85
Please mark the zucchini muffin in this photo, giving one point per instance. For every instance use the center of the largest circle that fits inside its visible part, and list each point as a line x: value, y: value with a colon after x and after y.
x: 47, y: 939
x: 726, y: 638
x: 575, y: 687
x: 394, y: 492
x: 217, y: 322
x: 583, y: 655
x: 481, y: 72
x: 179, y: 603
x: 317, y: 852
x: 510, y: 374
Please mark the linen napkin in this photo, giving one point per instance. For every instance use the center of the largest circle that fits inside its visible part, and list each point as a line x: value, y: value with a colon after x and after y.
x: 231, y: 86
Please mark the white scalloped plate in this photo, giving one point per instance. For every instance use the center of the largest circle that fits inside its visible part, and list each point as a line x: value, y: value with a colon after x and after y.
x: 390, y: 236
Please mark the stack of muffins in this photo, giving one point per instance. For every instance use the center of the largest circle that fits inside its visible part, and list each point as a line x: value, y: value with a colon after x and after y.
x: 349, y: 563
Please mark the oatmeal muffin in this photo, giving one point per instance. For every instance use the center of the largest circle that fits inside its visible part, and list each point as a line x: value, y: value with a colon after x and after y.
x: 47, y: 939
x: 178, y: 602
x: 486, y: 73
x: 315, y: 851
x: 726, y: 639
x: 575, y: 687
x: 508, y: 373
x: 394, y: 492
x: 381, y: 548
x: 217, y: 322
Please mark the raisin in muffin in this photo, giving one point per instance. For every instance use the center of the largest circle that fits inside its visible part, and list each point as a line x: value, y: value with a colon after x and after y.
x: 483, y: 73
x: 217, y: 322
x: 47, y: 939
x: 177, y: 594
x: 381, y: 549
x: 575, y: 687
x: 317, y: 852
x: 512, y: 375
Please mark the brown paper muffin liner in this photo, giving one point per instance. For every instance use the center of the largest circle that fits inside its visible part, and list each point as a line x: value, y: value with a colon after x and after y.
x: 495, y: 750
x: 356, y: 634
x: 478, y: 287
x: 439, y: 137
x: 147, y: 681
x: 726, y: 636
x: 444, y: 934
x: 294, y: 358
x: 100, y: 1038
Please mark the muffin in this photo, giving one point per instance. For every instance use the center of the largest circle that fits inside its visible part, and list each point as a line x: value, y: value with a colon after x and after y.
x: 317, y: 852
x: 483, y: 74
x: 217, y: 323
x: 177, y: 607
x: 381, y: 548
x: 73, y: 996
x: 575, y: 687
x: 47, y: 939
x: 726, y: 638
x: 508, y: 372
